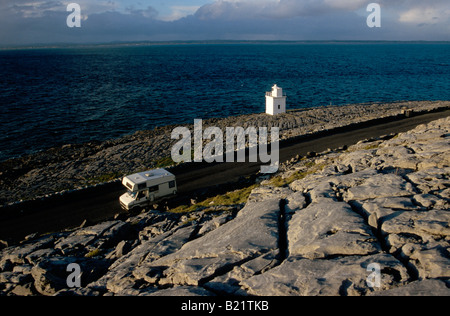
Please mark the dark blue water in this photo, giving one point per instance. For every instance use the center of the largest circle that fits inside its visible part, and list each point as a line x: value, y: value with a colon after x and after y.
x: 50, y: 97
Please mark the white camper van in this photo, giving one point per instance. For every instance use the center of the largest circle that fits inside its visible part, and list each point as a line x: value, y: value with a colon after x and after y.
x: 146, y: 187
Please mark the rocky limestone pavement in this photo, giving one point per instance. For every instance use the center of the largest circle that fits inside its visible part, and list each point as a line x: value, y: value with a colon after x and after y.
x: 343, y: 275
x: 252, y: 234
x: 372, y: 219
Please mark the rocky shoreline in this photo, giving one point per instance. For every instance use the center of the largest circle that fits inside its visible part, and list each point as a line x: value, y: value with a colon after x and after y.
x: 76, y: 166
x: 317, y: 228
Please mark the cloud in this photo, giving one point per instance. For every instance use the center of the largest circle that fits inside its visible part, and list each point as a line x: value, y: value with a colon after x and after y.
x: 47, y: 23
x: 347, y: 4
x: 420, y: 16
x: 41, y: 8
x: 426, y: 13
x: 179, y: 12
x: 275, y: 9
x: 44, y: 21
x: 252, y: 9
x: 417, y: 11
x: 409, y: 11
x: 329, y: 19
x: 29, y: 9
x: 149, y: 12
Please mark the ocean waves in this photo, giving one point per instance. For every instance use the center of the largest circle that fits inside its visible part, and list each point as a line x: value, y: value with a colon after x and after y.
x: 50, y: 97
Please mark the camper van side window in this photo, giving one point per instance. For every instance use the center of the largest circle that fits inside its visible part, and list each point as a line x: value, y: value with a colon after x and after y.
x: 154, y: 189
x: 172, y: 184
x: 140, y: 195
x: 129, y: 186
x: 142, y: 186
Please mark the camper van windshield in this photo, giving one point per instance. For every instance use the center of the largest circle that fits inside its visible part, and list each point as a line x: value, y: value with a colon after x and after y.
x: 132, y: 194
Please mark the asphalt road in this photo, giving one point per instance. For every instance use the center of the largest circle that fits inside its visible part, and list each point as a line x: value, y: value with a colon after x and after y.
x: 99, y: 204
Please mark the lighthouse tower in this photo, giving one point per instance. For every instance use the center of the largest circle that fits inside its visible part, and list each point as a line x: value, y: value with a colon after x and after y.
x: 275, y: 101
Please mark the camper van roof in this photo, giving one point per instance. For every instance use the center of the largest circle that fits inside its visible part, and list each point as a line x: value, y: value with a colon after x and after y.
x: 142, y: 177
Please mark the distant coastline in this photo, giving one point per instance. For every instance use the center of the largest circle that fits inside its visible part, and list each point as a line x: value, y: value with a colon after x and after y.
x: 209, y: 42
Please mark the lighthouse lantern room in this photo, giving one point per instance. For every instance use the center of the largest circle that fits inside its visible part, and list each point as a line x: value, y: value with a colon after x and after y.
x: 275, y: 101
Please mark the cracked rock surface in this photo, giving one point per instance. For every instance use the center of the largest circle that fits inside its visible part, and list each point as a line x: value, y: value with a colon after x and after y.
x: 373, y: 219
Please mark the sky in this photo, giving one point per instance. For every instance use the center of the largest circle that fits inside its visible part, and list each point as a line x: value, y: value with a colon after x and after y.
x: 27, y: 22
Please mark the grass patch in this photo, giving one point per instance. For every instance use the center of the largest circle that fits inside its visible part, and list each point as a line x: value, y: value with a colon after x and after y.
x: 103, y: 178
x: 371, y: 146
x: 229, y: 199
x: 164, y: 162
x: 93, y: 253
x: 312, y: 167
x: 279, y: 181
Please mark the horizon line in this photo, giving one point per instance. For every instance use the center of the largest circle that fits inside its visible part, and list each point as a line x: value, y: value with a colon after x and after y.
x: 205, y: 42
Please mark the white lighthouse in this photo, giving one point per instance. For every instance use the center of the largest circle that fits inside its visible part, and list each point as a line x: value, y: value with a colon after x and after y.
x: 275, y: 101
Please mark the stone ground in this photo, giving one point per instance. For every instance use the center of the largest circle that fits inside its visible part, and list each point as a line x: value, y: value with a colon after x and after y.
x: 324, y: 226
x: 74, y: 166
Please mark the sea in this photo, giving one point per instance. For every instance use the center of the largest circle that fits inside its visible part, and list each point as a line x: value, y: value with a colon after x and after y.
x: 68, y: 95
